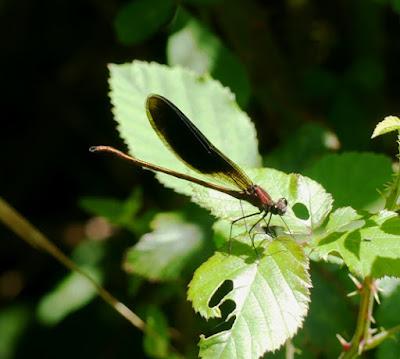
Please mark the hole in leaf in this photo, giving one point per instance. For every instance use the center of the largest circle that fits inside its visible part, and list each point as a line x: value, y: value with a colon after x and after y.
x: 221, y: 292
x: 220, y: 327
x: 301, y: 211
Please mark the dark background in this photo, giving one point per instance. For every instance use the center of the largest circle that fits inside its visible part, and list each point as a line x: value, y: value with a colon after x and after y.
x: 335, y: 64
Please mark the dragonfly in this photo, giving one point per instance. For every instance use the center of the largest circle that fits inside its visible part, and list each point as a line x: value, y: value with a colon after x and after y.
x: 192, y: 147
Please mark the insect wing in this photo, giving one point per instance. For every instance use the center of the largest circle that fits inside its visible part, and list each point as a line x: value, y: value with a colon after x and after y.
x: 179, y: 134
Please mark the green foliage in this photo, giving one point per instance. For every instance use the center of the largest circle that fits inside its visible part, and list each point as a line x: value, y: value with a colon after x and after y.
x: 160, y: 255
x: 371, y: 250
x: 342, y: 175
x: 13, y: 322
x: 271, y: 298
x: 70, y: 294
x: 270, y: 285
x: 202, y: 99
x: 300, y: 149
x: 193, y: 46
x: 389, y: 124
x: 139, y: 19
x: 387, y: 315
x: 73, y: 291
x: 118, y: 212
x: 156, y: 340
x: 299, y: 73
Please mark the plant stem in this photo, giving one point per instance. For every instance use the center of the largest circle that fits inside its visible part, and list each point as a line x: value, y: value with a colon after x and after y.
x: 290, y: 349
x: 362, y: 332
x: 381, y: 336
x: 19, y: 225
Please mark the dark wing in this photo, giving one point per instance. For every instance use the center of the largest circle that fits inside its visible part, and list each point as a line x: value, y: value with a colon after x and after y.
x: 189, y: 144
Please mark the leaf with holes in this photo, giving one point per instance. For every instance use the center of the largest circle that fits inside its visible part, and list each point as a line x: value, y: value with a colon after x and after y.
x: 271, y: 295
x: 212, y: 108
x: 295, y: 188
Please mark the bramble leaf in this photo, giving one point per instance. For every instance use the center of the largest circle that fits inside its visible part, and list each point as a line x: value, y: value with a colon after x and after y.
x: 271, y: 298
x: 209, y: 106
x: 371, y: 249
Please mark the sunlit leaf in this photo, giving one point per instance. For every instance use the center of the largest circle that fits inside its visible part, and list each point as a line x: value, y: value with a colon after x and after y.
x: 389, y: 124
x: 271, y: 298
x: 371, y: 250
x: 295, y: 188
x: 210, y: 106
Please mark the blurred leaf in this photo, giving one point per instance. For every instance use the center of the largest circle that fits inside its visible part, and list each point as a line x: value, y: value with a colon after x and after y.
x: 118, y: 212
x: 138, y: 20
x: 317, y: 338
x: 306, y: 145
x: 353, y: 178
x: 271, y: 297
x: 202, y: 2
x: 387, y: 315
x: 156, y: 340
x: 195, y: 47
x: 389, y: 124
x: 346, y: 108
x: 396, y: 5
x: 370, y: 250
x: 210, y: 106
x: 161, y: 254
x: 71, y: 293
x: 318, y: 83
x: 89, y: 253
x: 13, y: 321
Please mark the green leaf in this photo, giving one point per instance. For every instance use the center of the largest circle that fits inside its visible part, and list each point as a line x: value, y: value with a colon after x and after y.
x: 340, y: 220
x: 210, y: 106
x: 71, y: 294
x: 271, y: 297
x: 195, y: 47
x: 156, y: 339
x: 295, y: 188
x: 371, y: 249
x: 138, y: 20
x: 202, y: 2
x: 353, y: 179
x: 13, y: 322
x: 317, y: 338
x: 389, y: 124
x: 119, y: 212
x: 387, y: 316
x: 306, y: 145
x: 161, y: 254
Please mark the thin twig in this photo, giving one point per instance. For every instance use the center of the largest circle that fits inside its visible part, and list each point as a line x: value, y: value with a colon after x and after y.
x: 19, y: 225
